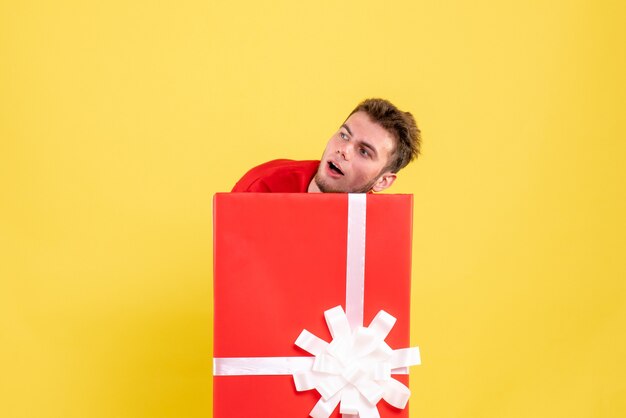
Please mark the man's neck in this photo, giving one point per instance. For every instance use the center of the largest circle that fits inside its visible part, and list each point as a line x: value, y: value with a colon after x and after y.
x: 313, y: 187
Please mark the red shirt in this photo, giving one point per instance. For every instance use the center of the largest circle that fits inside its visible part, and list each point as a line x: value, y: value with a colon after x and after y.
x: 278, y: 176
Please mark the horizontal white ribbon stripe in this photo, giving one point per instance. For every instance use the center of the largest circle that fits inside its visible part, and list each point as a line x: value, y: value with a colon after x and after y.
x: 257, y: 366
x: 250, y: 366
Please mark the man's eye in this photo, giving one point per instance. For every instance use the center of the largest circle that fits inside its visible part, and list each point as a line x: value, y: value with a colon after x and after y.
x: 364, y: 152
x: 343, y: 136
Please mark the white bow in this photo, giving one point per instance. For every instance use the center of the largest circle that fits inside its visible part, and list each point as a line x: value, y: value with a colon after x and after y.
x: 354, y: 370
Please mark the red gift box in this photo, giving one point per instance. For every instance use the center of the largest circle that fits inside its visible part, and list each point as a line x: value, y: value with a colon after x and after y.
x: 280, y: 262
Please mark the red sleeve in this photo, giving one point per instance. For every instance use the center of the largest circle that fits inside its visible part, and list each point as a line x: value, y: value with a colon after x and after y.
x: 254, y: 180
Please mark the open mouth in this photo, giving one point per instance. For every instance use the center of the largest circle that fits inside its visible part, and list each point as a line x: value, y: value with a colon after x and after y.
x: 335, y: 168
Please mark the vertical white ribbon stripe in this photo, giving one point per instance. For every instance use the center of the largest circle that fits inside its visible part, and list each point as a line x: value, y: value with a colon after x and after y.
x: 355, y: 263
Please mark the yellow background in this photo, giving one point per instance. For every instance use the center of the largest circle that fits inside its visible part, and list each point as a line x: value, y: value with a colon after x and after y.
x: 119, y: 120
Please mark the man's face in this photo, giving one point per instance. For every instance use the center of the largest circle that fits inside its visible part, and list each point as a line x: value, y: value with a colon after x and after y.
x: 355, y: 157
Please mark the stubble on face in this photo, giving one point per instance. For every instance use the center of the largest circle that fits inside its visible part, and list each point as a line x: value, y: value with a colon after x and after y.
x: 326, y: 188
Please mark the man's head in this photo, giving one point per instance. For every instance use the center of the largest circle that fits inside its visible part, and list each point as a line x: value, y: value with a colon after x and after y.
x: 365, y: 154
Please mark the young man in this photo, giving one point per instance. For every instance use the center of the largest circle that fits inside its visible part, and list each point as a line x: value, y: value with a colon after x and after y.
x: 364, y: 155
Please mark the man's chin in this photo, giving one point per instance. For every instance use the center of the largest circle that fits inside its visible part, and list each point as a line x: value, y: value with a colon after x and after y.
x: 325, y: 187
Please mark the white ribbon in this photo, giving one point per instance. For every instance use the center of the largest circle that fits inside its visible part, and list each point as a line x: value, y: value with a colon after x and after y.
x: 251, y: 366
x: 354, y: 369
x: 355, y: 259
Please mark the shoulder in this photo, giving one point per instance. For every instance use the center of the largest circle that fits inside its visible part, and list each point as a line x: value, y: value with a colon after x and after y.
x: 278, y: 166
x: 278, y: 176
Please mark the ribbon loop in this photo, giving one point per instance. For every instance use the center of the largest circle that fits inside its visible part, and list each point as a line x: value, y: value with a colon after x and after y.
x: 323, y: 408
x: 337, y: 322
x: 370, y: 390
x: 311, y: 343
x: 382, y: 324
x: 329, y: 386
x: 405, y: 357
x: 396, y: 394
x: 382, y: 371
x: 368, y: 411
x: 349, y: 401
x: 304, y: 381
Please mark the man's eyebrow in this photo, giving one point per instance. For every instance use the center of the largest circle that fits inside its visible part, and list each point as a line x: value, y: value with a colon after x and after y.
x: 370, y: 147
x: 364, y: 143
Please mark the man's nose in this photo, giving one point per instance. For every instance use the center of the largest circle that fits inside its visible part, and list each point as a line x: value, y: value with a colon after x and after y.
x: 345, y: 151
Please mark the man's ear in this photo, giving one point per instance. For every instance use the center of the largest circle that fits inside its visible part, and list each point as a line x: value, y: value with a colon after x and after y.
x: 384, y: 181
